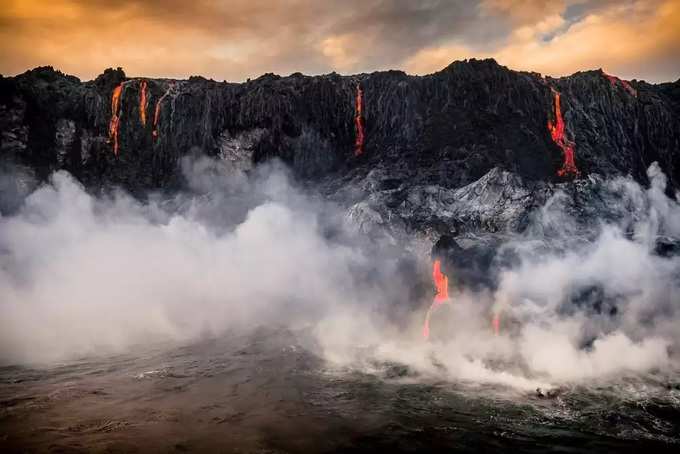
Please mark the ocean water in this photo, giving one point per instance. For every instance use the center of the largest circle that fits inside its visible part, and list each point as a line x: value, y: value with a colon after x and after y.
x: 270, y: 391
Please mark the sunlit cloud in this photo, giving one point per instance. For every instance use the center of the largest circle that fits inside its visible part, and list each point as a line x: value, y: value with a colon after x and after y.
x: 633, y: 41
x: 237, y: 39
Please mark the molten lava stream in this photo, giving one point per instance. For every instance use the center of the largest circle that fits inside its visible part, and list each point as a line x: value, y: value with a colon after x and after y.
x: 143, y: 102
x: 359, y: 122
x: 441, y: 283
x: 557, y: 132
x: 496, y: 324
x: 156, y: 118
x: 114, y: 123
x: 157, y: 112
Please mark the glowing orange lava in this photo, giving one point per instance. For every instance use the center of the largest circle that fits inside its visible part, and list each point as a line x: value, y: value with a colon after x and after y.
x: 143, y: 101
x: 441, y: 283
x: 613, y: 80
x: 157, y: 112
x: 557, y: 130
x: 359, y: 122
x: 114, y: 123
x: 156, y: 118
x: 496, y: 324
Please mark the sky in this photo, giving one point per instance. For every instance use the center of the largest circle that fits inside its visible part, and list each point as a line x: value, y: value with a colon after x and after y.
x: 237, y: 39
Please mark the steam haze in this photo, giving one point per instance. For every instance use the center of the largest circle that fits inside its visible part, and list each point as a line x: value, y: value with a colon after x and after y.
x: 86, y: 275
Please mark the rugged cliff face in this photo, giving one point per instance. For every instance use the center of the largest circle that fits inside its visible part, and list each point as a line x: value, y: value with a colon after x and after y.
x: 448, y: 129
x: 466, y: 166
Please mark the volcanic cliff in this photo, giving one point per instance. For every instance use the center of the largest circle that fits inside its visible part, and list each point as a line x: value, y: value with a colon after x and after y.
x: 473, y: 146
x: 448, y: 128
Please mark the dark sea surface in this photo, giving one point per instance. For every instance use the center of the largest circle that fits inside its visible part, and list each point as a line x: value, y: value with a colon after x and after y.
x: 267, y: 391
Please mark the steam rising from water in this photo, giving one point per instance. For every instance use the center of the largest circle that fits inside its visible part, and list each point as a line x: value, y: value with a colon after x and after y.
x: 82, y: 275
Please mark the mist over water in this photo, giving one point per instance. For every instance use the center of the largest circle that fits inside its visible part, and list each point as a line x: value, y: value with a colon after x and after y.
x: 83, y: 275
x: 91, y: 276
x: 580, y: 300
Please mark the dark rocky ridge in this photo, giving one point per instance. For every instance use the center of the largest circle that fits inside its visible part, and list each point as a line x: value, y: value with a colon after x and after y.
x: 447, y: 129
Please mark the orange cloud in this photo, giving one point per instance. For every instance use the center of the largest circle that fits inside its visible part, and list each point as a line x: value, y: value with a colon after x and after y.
x: 524, y: 11
x: 634, y: 41
x: 341, y: 50
x: 237, y: 39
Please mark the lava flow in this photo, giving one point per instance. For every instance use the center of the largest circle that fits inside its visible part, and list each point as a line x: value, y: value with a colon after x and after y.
x: 441, y: 282
x: 143, y: 101
x: 157, y: 113
x: 613, y: 80
x: 359, y: 122
x: 114, y: 123
x: 556, y: 129
x: 496, y: 324
x: 156, y: 117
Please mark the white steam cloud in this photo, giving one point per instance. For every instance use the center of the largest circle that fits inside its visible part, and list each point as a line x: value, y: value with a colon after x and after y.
x: 84, y: 275
x: 576, y: 304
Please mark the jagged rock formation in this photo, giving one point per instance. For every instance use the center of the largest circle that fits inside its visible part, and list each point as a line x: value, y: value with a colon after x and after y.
x: 475, y: 148
x: 473, y: 152
x: 449, y: 128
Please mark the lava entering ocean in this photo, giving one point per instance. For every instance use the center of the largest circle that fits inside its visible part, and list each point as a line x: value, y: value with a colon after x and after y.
x: 143, y: 101
x: 114, y: 123
x: 496, y: 323
x: 359, y: 122
x: 557, y: 132
x: 441, y: 282
x: 614, y: 81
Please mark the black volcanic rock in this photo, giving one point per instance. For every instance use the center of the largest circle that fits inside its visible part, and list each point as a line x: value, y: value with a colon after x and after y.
x: 448, y: 128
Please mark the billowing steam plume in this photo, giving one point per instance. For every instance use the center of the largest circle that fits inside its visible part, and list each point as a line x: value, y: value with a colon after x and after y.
x: 85, y: 275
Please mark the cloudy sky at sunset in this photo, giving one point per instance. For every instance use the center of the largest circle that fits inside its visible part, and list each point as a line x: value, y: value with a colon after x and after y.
x: 237, y: 39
